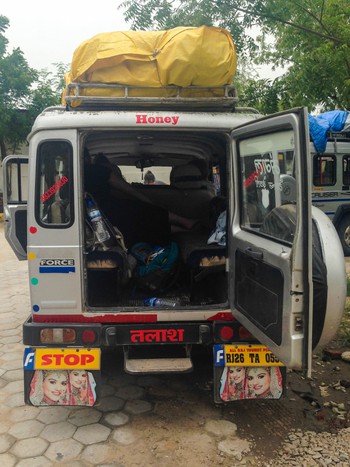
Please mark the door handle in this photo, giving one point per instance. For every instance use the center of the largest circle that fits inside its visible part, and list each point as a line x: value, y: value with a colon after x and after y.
x: 254, y: 254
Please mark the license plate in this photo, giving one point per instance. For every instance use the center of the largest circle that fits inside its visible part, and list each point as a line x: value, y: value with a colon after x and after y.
x: 249, y: 355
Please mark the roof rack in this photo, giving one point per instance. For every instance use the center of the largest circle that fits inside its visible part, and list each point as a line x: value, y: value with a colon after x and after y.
x: 336, y: 137
x: 339, y: 135
x: 92, y: 96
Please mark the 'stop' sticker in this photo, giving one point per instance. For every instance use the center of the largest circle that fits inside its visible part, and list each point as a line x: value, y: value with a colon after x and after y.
x: 63, y: 359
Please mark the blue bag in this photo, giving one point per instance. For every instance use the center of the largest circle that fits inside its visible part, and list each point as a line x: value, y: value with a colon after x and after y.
x: 157, y: 265
x: 319, y: 126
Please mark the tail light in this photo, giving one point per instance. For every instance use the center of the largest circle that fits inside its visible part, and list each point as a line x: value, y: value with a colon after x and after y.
x: 57, y: 336
x: 226, y: 333
x: 88, y: 336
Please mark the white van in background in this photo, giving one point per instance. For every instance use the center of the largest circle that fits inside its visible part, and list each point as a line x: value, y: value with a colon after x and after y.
x: 331, y: 184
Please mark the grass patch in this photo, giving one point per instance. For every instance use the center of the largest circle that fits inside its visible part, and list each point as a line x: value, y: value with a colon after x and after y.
x: 344, y: 328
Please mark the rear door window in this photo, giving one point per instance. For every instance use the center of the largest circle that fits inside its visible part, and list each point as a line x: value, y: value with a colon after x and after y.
x: 54, y: 191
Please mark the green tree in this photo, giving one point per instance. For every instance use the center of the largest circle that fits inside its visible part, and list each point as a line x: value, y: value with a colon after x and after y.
x: 24, y: 92
x: 310, y: 37
x: 261, y: 94
x: 166, y: 14
x: 46, y: 91
x: 16, y: 78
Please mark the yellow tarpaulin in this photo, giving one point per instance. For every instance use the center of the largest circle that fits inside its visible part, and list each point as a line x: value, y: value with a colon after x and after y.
x: 183, y: 56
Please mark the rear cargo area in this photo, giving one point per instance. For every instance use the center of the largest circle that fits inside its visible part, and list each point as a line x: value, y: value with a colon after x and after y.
x: 162, y: 195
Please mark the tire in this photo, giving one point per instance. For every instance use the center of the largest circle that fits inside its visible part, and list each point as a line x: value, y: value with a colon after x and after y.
x: 344, y: 234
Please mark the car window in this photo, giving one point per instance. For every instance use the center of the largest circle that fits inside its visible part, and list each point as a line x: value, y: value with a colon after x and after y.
x: 135, y: 175
x: 324, y: 170
x: 54, y: 190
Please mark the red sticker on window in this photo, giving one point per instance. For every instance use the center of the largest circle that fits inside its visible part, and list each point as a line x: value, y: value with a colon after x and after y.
x: 54, y: 189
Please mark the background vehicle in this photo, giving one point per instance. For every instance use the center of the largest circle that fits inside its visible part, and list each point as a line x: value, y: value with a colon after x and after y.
x: 331, y: 184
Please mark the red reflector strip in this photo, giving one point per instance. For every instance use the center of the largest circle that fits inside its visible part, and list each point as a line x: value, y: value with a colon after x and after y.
x: 134, y: 318
x: 222, y: 316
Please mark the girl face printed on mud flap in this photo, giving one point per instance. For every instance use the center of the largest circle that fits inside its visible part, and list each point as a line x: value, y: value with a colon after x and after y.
x: 54, y: 386
x: 236, y: 375
x: 78, y: 378
x: 259, y: 380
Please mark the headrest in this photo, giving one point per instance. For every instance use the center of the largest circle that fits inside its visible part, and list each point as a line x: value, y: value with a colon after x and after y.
x: 186, y: 176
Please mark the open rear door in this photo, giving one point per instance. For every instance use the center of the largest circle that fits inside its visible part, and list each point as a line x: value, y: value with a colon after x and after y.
x: 270, y: 244
x: 15, y: 171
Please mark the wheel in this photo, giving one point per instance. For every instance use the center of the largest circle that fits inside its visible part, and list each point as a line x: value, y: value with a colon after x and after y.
x: 344, y: 234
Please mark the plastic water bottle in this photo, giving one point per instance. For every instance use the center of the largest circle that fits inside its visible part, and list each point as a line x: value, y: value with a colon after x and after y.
x: 98, y: 225
x: 159, y: 302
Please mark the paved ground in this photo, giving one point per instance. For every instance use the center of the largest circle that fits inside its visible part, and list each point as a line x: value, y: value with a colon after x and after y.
x: 142, y: 421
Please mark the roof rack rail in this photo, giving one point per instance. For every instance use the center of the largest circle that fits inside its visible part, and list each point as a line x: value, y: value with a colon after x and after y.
x: 88, y: 96
x: 339, y: 135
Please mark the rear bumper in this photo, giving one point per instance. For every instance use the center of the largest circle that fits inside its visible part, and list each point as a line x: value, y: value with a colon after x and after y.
x: 120, y: 334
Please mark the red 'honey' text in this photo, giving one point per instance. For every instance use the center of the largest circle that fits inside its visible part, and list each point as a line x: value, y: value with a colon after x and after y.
x: 149, y: 120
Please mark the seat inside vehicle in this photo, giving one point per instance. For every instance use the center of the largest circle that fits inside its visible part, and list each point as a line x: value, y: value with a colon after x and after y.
x: 190, y: 183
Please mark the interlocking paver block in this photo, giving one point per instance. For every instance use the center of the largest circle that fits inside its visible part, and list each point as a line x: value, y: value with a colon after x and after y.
x: 91, y: 434
x: 10, y: 332
x: 11, y: 339
x: 107, y: 390
x: 14, y: 347
x: 122, y: 379
x: 130, y: 392
x: 78, y: 463
x: 27, y: 412
x: 4, y: 424
x: 12, y: 364
x: 6, y: 317
x: 26, y: 429
x: 8, y: 460
x: 117, y: 419
x: 14, y: 375
x: 6, y: 441
x: 124, y: 435
x: 30, y: 447
x: 101, y: 454
x: 49, y: 415
x: 138, y: 407
x: 58, y: 431
x: 39, y: 461
x: 16, y: 400
x: 64, y: 451
x: 109, y: 404
x: 12, y: 356
x: 13, y: 387
x: 84, y: 417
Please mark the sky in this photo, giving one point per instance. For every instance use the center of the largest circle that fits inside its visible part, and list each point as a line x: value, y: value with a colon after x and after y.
x: 48, y: 31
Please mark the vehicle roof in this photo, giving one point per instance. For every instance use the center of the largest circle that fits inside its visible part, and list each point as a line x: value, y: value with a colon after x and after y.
x: 55, y: 118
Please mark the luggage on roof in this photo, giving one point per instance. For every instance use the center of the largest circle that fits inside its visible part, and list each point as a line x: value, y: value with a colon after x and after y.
x: 184, y: 56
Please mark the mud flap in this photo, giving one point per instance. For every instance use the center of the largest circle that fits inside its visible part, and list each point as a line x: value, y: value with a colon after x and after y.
x: 247, y: 371
x: 55, y: 377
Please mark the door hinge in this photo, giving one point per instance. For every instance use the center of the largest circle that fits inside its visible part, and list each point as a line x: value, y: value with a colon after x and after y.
x: 298, y: 324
